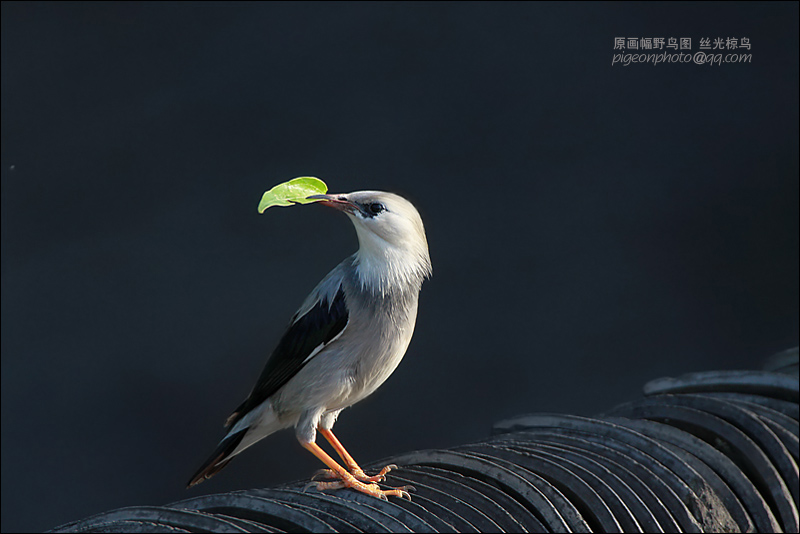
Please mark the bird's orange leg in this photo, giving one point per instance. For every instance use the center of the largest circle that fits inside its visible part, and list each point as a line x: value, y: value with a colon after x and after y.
x: 348, y: 480
x: 349, y: 462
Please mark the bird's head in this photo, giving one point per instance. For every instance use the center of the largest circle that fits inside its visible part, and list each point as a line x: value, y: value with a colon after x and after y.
x: 392, y: 244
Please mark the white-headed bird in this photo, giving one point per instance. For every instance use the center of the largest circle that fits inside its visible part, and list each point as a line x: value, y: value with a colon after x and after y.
x: 342, y: 344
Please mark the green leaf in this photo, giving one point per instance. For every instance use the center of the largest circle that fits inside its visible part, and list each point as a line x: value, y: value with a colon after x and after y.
x: 293, y: 192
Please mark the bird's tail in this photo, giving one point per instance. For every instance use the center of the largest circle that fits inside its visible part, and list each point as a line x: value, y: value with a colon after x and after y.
x: 219, y: 458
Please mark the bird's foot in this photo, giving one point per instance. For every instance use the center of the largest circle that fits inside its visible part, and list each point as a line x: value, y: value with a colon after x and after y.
x: 357, y: 473
x: 370, y: 489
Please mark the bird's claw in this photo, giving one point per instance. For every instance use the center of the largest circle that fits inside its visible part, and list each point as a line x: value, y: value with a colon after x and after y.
x: 310, y: 484
x: 386, y: 469
x: 370, y: 489
x: 405, y: 492
x: 357, y: 472
x: 324, y: 473
x: 402, y: 492
x: 324, y: 486
x: 380, y: 477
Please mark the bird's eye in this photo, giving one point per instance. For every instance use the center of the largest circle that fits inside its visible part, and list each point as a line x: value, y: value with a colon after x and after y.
x: 376, y: 207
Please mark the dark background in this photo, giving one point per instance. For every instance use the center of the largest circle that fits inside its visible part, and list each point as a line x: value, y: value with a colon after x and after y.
x: 591, y: 227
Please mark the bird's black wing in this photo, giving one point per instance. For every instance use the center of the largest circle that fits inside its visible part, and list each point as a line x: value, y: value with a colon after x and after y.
x: 306, y: 335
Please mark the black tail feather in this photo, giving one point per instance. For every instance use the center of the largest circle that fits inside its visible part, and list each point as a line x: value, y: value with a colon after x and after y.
x: 218, y: 459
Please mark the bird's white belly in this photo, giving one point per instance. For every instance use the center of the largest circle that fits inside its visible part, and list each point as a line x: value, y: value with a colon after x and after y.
x: 372, y: 373
x: 350, y: 368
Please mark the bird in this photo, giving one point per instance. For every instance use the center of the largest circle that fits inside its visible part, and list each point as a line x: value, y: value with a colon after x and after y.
x: 347, y: 337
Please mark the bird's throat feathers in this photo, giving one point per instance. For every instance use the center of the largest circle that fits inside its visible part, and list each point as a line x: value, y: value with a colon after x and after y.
x: 383, y: 268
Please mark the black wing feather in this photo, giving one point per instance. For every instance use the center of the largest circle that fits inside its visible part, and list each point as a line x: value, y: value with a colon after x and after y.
x: 318, y: 326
